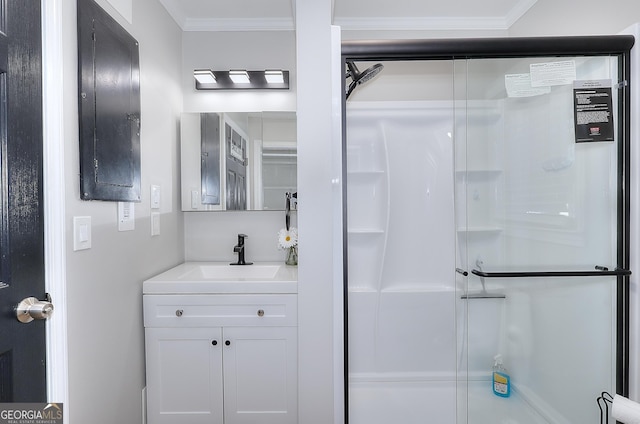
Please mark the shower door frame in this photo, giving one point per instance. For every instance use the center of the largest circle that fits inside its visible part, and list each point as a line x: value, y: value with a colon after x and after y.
x: 494, y: 48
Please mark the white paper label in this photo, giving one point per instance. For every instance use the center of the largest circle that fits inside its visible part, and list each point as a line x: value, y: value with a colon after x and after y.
x: 519, y: 85
x: 552, y: 73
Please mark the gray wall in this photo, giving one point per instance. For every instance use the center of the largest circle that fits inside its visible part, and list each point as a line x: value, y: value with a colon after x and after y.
x: 104, y: 284
x: 212, y: 235
x: 253, y: 51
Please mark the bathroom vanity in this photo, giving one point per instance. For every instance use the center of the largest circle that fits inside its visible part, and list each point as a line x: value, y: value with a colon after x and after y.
x: 221, y: 344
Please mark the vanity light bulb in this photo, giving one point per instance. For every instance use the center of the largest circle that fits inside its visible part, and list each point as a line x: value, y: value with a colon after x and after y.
x: 239, y: 77
x: 274, y: 77
x: 204, y: 76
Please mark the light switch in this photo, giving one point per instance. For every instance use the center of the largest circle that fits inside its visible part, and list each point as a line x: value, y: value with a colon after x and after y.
x: 155, y: 223
x: 195, y: 199
x: 155, y: 197
x: 81, y: 233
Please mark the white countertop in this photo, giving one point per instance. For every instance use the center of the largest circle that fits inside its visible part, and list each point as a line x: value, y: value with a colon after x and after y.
x: 223, y: 278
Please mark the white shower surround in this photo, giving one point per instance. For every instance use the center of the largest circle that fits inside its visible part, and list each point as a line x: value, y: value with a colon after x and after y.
x: 406, y: 377
x: 398, y: 373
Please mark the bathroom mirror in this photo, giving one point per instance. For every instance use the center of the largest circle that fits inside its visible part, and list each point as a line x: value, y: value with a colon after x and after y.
x: 237, y: 160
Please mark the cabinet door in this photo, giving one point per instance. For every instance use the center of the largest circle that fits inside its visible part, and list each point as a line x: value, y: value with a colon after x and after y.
x: 184, y: 375
x: 260, y: 375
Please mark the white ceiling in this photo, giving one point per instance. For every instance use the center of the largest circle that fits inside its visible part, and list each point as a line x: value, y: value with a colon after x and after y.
x: 260, y: 15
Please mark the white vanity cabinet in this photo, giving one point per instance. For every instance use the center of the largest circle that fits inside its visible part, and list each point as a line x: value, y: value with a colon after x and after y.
x: 221, y: 358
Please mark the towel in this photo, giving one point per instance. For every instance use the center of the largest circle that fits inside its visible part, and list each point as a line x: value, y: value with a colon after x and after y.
x: 626, y: 411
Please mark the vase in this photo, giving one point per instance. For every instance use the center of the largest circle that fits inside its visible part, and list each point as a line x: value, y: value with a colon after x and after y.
x: 292, y: 256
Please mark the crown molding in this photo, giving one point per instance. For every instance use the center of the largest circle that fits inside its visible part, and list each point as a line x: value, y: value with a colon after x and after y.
x: 435, y: 23
x: 423, y: 24
x: 242, y: 24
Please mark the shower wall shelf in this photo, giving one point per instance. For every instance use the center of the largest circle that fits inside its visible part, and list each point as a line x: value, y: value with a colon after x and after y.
x: 372, y: 172
x: 374, y: 231
x: 479, y: 173
x: 480, y: 229
x: 524, y: 274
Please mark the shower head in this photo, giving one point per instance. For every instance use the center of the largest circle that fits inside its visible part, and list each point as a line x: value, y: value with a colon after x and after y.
x: 358, y: 77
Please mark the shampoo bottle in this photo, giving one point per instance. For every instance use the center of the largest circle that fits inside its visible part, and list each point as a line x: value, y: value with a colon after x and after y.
x: 501, y: 380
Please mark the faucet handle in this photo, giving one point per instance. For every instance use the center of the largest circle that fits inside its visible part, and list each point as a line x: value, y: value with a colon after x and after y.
x: 239, y: 249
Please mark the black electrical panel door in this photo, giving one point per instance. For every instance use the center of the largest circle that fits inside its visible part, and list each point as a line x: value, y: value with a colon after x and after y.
x: 109, y: 101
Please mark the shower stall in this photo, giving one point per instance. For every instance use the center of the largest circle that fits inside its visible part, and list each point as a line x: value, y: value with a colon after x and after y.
x: 487, y: 214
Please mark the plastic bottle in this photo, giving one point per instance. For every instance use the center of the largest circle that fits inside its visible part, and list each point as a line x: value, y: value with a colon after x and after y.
x: 501, y: 380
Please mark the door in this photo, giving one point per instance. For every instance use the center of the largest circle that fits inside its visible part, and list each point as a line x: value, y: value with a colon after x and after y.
x: 400, y: 228
x: 540, y: 237
x: 260, y: 375
x: 22, y: 345
x: 532, y: 156
x: 210, y: 158
x: 184, y: 375
x: 236, y: 166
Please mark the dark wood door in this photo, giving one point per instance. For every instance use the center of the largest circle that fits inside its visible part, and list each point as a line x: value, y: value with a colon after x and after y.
x: 22, y: 345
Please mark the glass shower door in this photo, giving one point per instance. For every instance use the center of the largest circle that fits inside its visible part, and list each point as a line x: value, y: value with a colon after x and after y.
x: 538, y: 194
x: 401, y: 298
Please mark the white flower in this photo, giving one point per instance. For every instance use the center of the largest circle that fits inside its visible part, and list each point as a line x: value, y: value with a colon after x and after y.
x: 287, y: 239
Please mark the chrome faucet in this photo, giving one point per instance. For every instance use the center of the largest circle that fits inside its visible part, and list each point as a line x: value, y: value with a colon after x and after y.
x: 239, y: 249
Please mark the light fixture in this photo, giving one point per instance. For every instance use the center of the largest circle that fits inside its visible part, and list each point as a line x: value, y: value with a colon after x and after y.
x: 239, y: 77
x: 271, y: 79
x: 274, y: 76
x: 204, y: 76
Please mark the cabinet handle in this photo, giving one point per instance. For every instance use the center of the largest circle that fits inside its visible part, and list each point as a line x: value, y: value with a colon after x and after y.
x: 179, y: 312
x: 260, y: 312
x: 214, y: 342
x: 228, y: 342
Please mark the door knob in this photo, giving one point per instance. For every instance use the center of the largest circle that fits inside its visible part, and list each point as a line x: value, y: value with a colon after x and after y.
x: 31, y: 308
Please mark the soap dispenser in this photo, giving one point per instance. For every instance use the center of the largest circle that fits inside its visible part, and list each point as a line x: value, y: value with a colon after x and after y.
x: 500, y: 378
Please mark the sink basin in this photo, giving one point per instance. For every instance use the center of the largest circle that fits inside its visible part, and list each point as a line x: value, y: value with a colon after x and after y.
x: 225, y: 272
x: 221, y: 277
